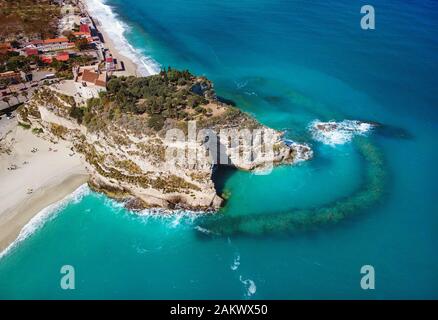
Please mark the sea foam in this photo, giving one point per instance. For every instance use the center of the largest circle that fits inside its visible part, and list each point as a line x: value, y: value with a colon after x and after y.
x: 45, y: 215
x: 250, y: 286
x: 116, y: 30
x: 176, y: 218
x: 236, y: 262
x: 335, y: 133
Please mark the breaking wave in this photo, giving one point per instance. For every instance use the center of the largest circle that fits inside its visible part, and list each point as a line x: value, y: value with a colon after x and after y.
x: 116, y: 30
x: 236, y: 262
x: 45, y: 215
x: 250, y: 287
x: 334, y: 133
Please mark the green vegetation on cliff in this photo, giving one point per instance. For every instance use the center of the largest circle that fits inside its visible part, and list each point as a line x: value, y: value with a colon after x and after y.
x: 171, y: 97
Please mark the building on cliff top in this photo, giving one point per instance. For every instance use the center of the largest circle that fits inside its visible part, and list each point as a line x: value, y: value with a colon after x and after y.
x: 89, y: 81
x: 53, y: 44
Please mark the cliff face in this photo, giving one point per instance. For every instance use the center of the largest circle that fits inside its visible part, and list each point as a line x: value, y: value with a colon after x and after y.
x: 132, y: 160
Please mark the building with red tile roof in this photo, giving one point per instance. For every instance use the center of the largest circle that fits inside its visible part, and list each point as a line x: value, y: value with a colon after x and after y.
x: 93, y: 77
x: 54, y: 44
x: 31, y: 52
x: 46, y: 59
x: 80, y: 34
x: 89, y: 81
x: 37, y: 42
x: 85, y: 28
x: 55, y: 40
x: 62, y: 56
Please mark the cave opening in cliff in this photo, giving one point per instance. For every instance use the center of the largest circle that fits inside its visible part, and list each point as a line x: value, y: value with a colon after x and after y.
x: 220, y: 176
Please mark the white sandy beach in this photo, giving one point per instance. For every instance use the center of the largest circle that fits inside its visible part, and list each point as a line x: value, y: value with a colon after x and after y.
x: 130, y: 67
x: 40, y: 178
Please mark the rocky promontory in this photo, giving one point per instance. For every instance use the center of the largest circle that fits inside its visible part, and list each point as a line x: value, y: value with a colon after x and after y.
x: 128, y: 133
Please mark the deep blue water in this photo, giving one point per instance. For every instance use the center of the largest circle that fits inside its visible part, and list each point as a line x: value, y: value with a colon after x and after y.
x: 287, y: 63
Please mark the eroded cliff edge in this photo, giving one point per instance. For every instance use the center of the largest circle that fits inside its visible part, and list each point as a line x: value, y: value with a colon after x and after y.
x: 123, y: 137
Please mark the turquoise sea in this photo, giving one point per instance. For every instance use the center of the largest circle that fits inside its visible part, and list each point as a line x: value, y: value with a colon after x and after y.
x: 287, y: 63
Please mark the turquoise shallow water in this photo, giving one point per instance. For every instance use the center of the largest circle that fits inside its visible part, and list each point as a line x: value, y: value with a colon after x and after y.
x: 287, y: 63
